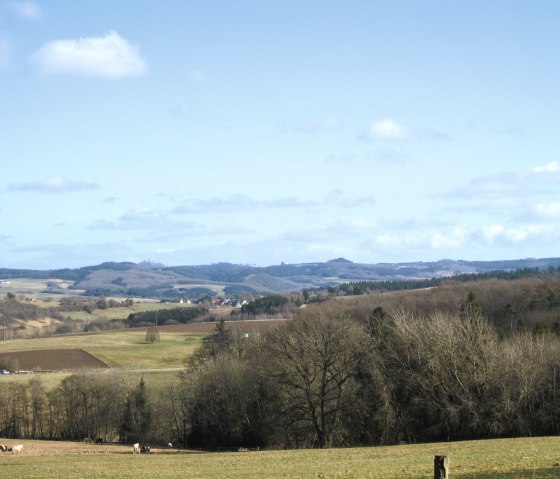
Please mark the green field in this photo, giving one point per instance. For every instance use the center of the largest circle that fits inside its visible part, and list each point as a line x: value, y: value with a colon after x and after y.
x: 499, y: 459
x: 125, y: 349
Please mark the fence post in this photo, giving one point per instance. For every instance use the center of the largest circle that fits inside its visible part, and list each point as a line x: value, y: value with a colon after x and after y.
x: 441, y: 467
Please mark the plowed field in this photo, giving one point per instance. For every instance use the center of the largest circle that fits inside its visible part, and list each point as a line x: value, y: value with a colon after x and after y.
x: 53, y: 360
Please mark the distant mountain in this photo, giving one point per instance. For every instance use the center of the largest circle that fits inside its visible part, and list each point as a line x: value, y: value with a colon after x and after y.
x: 156, y: 280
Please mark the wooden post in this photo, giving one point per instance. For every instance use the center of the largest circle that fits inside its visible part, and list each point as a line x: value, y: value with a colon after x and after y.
x: 441, y: 467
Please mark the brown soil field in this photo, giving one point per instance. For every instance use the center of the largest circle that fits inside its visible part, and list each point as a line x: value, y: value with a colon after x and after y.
x: 53, y: 360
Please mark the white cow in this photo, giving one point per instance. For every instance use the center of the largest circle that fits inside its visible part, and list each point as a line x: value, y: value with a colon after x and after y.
x: 136, y: 448
x: 17, y: 449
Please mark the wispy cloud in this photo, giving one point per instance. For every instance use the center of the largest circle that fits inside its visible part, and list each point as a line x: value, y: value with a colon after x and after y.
x: 552, y: 167
x: 110, y: 56
x: 387, y: 129
x: 434, y: 239
x: 508, y: 189
x: 541, y: 212
x: 548, y: 209
x: 508, y: 236
x: 234, y: 203
x: 489, y: 187
x: 388, y: 154
x: 197, y: 76
x: 26, y: 9
x: 390, y: 130
x: 55, y: 184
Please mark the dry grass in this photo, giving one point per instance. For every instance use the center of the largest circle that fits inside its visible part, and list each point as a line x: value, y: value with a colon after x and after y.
x: 499, y: 459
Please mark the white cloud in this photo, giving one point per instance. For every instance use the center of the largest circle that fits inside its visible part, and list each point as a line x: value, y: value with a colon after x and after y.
x: 547, y: 209
x: 387, y: 129
x: 422, y: 239
x: 55, y: 184
x: 500, y: 234
x: 390, y: 130
x: 333, y: 198
x: 552, y: 167
x: 26, y: 9
x: 110, y: 56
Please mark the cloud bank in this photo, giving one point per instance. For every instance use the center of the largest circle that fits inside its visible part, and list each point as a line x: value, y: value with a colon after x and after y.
x: 54, y: 184
x: 110, y: 57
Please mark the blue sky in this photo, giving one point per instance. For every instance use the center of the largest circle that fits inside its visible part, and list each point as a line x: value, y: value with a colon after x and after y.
x: 194, y: 132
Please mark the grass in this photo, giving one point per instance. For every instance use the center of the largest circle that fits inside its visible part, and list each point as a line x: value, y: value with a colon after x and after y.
x: 121, y: 349
x: 498, y: 459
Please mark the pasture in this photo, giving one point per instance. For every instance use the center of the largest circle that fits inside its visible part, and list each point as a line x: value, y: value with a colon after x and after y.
x: 497, y: 459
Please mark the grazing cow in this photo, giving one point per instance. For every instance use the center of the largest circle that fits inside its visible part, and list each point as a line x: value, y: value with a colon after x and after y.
x: 3, y: 448
x: 87, y: 440
x: 17, y: 449
x: 136, y: 448
x: 99, y: 440
x: 169, y: 445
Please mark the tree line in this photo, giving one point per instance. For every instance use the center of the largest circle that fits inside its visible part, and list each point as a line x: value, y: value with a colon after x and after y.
x: 333, y: 376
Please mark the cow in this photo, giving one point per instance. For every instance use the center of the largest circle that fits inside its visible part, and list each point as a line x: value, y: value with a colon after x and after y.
x: 144, y: 449
x: 3, y: 448
x: 99, y: 440
x: 87, y: 440
x: 169, y: 445
x: 17, y: 449
x: 136, y: 448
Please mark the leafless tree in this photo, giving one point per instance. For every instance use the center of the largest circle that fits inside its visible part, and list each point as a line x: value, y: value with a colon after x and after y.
x: 312, y: 361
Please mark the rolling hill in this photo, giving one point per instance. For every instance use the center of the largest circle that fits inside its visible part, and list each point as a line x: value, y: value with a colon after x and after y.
x: 155, y: 280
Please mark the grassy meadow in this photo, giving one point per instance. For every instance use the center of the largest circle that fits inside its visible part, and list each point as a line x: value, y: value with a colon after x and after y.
x: 497, y: 459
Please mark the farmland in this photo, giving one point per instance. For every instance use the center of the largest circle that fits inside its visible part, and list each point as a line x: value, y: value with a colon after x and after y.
x: 125, y: 349
x: 497, y: 459
x: 56, y: 359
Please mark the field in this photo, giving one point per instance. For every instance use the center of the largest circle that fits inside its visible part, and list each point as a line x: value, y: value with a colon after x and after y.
x: 55, y: 359
x: 498, y: 459
x: 124, y: 311
x: 119, y: 349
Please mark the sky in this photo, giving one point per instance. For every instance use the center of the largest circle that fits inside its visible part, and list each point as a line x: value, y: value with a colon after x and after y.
x: 259, y: 132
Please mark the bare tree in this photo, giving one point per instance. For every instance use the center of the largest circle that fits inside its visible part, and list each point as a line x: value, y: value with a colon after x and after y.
x: 312, y: 361
x: 152, y: 335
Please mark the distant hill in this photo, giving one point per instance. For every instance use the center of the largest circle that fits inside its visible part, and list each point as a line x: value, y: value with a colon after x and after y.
x: 156, y: 280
